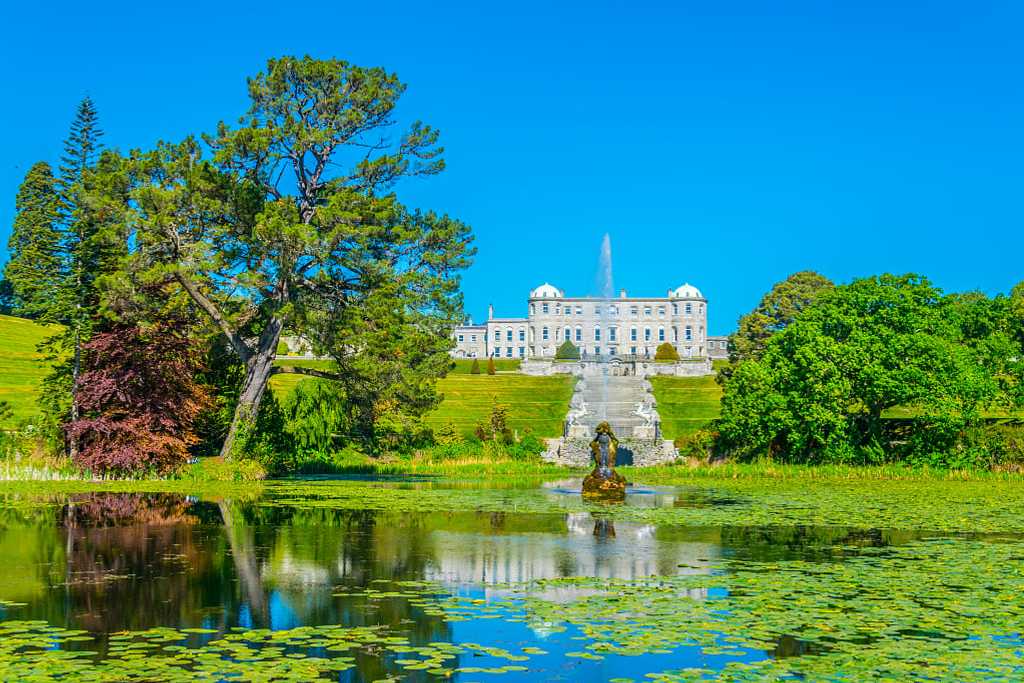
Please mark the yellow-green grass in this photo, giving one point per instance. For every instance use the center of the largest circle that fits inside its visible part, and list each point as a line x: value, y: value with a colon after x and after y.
x: 686, y: 404
x: 535, y: 404
x: 464, y: 366
x: 22, y: 367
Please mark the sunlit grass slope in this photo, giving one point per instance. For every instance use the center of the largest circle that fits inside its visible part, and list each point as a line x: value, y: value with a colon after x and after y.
x: 539, y: 404
x: 686, y: 403
x: 22, y: 368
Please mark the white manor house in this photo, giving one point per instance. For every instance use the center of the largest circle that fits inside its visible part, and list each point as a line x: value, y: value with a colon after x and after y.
x: 613, y: 327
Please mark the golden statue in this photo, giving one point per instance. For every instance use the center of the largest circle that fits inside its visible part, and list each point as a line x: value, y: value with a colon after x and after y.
x: 604, y: 483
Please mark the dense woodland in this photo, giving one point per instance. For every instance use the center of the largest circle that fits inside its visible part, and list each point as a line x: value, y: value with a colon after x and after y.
x: 172, y: 273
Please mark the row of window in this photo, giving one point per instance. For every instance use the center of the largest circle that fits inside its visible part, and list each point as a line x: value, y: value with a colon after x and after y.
x: 613, y: 310
x: 578, y: 336
x: 520, y: 352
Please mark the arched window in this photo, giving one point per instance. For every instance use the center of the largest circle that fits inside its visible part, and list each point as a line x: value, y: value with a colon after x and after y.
x: 568, y: 334
x: 522, y: 334
x: 533, y: 309
x: 597, y: 333
x: 647, y: 334
x: 632, y: 334
x: 579, y: 333
x: 661, y: 334
x: 544, y: 333
x: 508, y: 335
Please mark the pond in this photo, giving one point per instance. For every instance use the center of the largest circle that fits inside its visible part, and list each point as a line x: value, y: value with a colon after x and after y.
x: 432, y: 580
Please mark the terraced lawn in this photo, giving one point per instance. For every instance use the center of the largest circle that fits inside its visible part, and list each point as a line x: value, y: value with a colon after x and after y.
x: 22, y: 368
x: 686, y: 403
x: 538, y: 404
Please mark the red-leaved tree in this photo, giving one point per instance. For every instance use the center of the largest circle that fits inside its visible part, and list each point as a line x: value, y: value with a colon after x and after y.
x: 138, y: 398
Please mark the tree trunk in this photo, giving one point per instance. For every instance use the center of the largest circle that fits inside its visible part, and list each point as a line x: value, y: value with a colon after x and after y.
x: 257, y: 373
x: 76, y: 369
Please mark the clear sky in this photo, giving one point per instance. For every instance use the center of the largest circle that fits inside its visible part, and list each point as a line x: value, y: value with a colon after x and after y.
x: 723, y: 144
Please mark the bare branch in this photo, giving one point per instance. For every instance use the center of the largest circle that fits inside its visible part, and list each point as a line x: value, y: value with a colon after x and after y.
x: 237, y: 343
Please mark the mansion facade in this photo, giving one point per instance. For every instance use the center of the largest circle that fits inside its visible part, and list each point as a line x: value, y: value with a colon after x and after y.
x: 622, y: 326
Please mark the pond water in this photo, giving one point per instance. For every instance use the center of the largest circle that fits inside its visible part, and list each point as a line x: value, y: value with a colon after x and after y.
x: 301, y: 583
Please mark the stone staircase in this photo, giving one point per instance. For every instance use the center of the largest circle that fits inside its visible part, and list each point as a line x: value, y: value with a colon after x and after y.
x: 614, y: 399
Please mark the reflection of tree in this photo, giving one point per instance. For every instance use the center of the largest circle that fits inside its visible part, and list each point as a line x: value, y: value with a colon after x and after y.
x: 242, y: 546
x: 772, y: 544
x: 128, y: 559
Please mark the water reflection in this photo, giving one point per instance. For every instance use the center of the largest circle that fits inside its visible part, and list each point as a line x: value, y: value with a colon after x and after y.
x: 110, y: 562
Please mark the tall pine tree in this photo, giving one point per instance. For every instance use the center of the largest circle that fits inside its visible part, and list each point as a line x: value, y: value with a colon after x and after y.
x: 67, y: 293
x: 36, y: 269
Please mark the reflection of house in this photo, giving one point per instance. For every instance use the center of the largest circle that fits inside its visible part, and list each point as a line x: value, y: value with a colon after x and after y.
x: 632, y: 552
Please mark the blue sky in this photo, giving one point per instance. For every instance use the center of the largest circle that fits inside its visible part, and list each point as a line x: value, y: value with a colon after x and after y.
x: 721, y: 144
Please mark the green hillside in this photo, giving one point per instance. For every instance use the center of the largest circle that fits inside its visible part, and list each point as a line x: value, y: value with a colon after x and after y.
x: 686, y: 403
x: 21, y: 367
x: 539, y: 404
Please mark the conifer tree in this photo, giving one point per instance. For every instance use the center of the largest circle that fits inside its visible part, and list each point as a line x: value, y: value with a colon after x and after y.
x: 490, y: 366
x: 474, y: 369
x: 35, y: 268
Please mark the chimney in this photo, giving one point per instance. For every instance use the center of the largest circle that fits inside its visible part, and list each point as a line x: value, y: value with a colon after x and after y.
x: 622, y: 294
x: 490, y: 311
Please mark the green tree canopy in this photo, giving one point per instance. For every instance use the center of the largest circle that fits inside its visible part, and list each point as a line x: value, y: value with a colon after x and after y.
x: 567, y: 351
x: 293, y: 222
x: 819, y: 390
x: 777, y: 309
x: 666, y: 351
x: 36, y: 267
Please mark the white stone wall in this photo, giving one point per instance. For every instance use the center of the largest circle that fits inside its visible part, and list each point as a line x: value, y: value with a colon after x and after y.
x: 621, y: 326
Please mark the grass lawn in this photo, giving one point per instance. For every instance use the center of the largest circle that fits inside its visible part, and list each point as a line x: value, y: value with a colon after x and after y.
x: 686, y: 403
x: 539, y: 404
x: 21, y: 368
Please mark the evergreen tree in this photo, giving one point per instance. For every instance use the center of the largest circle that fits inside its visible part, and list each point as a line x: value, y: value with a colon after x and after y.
x: 474, y: 369
x: 666, y: 352
x: 74, y: 303
x: 567, y: 351
x: 6, y: 297
x: 35, y: 269
x: 490, y: 366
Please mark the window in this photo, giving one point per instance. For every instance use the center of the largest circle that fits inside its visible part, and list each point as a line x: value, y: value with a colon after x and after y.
x: 460, y: 338
x: 568, y: 334
x: 675, y: 309
x: 613, y: 310
x: 633, y: 311
x: 647, y: 311
x: 597, y: 350
x: 597, y: 334
x: 647, y: 334
x: 472, y: 337
x: 632, y: 350
x: 544, y: 333
x: 661, y: 334
x: 544, y: 307
x: 632, y: 334
x: 522, y: 334
x: 675, y: 333
x: 579, y: 310
x: 612, y: 351
x: 522, y: 351
x: 688, y: 309
x: 721, y: 344
x: 661, y: 311
x: 689, y: 333
x: 579, y: 333
x: 597, y: 310
x: 533, y: 309
x: 612, y: 333
x: 508, y: 352
x: 558, y: 309
x: 508, y: 334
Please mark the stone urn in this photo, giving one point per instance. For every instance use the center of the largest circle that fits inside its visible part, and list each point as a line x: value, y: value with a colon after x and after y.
x: 604, y: 483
